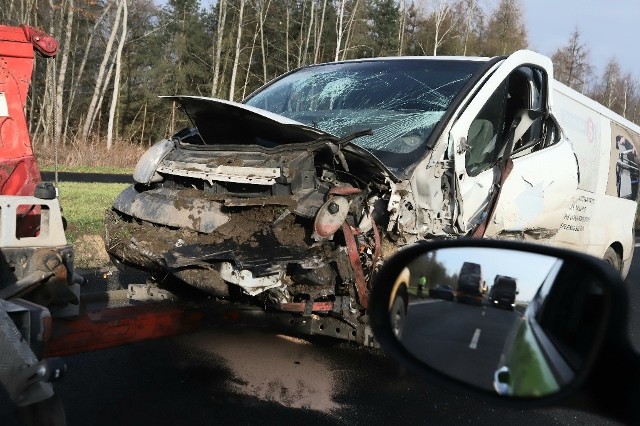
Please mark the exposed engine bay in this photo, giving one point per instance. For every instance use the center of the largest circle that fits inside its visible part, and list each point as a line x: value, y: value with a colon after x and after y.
x: 298, y: 227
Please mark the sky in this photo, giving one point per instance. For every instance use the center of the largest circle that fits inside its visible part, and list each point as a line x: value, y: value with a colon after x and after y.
x: 529, y: 269
x: 608, y: 27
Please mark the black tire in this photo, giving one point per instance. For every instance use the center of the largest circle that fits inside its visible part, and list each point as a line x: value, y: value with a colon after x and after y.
x: 613, y: 259
x: 397, y: 315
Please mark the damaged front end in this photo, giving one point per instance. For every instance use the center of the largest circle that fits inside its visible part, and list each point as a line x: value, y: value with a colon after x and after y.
x: 298, y: 227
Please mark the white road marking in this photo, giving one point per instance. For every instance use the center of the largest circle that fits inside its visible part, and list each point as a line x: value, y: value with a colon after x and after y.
x: 474, y: 339
x: 637, y: 245
x: 422, y: 302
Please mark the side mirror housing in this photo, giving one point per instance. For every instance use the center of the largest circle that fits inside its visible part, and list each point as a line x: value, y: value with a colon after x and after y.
x: 541, y: 344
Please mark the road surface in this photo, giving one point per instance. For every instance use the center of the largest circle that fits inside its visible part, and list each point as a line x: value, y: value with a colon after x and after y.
x: 470, y: 338
x: 237, y: 375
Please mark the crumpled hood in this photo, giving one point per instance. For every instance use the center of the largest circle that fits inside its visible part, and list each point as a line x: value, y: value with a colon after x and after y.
x: 222, y: 122
x: 215, y: 118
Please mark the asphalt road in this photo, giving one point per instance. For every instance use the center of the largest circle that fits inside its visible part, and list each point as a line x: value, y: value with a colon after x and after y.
x: 87, y: 177
x: 470, y: 338
x: 237, y: 375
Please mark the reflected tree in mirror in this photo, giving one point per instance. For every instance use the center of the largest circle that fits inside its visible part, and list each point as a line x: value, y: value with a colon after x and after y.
x: 516, y: 323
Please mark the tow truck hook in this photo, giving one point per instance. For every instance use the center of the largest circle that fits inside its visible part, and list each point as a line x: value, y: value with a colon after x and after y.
x: 46, y: 371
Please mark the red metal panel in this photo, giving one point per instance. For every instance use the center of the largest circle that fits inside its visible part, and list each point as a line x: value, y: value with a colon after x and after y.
x: 112, y: 327
x: 17, y: 34
x: 301, y: 306
x: 18, y: 169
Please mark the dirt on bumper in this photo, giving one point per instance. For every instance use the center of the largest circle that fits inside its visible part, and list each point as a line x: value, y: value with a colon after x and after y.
x: 266, y: 240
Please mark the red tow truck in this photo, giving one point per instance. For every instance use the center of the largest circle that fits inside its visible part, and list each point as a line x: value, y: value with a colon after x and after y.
x: 43, y: 313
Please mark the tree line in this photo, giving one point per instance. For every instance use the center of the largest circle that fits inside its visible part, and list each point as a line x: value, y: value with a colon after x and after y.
x: 435, y: 272
x: 117, y: 56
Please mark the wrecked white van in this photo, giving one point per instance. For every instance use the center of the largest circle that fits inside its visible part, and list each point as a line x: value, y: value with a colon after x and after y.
x: 290, y: 200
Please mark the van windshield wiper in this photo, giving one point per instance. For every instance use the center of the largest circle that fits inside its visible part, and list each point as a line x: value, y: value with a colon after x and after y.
x: 346, y: 139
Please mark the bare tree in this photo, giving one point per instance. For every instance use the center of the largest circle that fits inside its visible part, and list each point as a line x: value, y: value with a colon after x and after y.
x: 316, y: 54
x: 100, y: 80
x: 234, y: 70
x: 471, y: 17
x: 103, y: 91
x: 571, y: 63
x: 66, y: 51
x: 18, y: 11
x: 441, y: 15
x: 286, y: 38
x: 607, y: 91
x: 116, y: 82
x: 629, y: 93
x: 308, y: 37
x: 263, y: 17
x: 222, y: 17
x: 45, y: 119
x: 301, y: 31
x: 78, y: 77
x: 339, y: 28
x: 350, y: 29
x: 402, y: 27
x: 618, y: 90
x: 247, y: 75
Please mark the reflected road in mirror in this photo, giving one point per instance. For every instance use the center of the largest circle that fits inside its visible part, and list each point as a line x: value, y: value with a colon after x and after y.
x: 511, y: 322
x: 470, y: 339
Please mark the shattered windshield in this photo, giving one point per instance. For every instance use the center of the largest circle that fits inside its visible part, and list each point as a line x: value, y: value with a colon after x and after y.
x: 400, y: 100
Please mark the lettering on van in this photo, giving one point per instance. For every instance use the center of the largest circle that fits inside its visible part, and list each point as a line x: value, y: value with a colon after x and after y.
x: 578, y: 215
x: 574, y: 228
x: 585, y: 199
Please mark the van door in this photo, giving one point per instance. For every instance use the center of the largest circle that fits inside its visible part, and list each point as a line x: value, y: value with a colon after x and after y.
x: 541, y: 185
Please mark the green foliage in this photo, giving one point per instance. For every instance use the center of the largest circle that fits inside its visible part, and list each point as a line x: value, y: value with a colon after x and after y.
x: 433, y: 270
x: 84, y: 204
x: 413, y: 31
x: 383, y: 27
x: 186, y: 62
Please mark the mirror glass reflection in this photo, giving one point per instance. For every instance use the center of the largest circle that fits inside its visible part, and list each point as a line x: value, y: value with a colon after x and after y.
x: 514, y: 323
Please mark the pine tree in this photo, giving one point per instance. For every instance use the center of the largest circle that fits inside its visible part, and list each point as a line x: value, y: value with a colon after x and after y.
x: 385, y: 20
x: 571, y: 63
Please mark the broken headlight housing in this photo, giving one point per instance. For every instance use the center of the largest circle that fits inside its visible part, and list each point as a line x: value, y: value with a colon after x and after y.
x: 145, y: 171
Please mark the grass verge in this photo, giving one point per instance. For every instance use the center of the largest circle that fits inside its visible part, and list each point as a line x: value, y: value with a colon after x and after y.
x: 83, y: 206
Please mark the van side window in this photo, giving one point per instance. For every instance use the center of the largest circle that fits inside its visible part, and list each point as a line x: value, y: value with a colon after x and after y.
x: 530, y: 82
x: 486, y: 133
x: 524, y: 89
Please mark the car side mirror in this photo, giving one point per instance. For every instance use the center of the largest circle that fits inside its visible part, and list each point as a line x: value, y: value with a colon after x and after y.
x: 539, y: 343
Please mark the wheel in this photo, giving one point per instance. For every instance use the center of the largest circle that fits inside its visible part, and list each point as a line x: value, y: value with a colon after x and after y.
x: 613, y: 259
x: 397, y: 314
